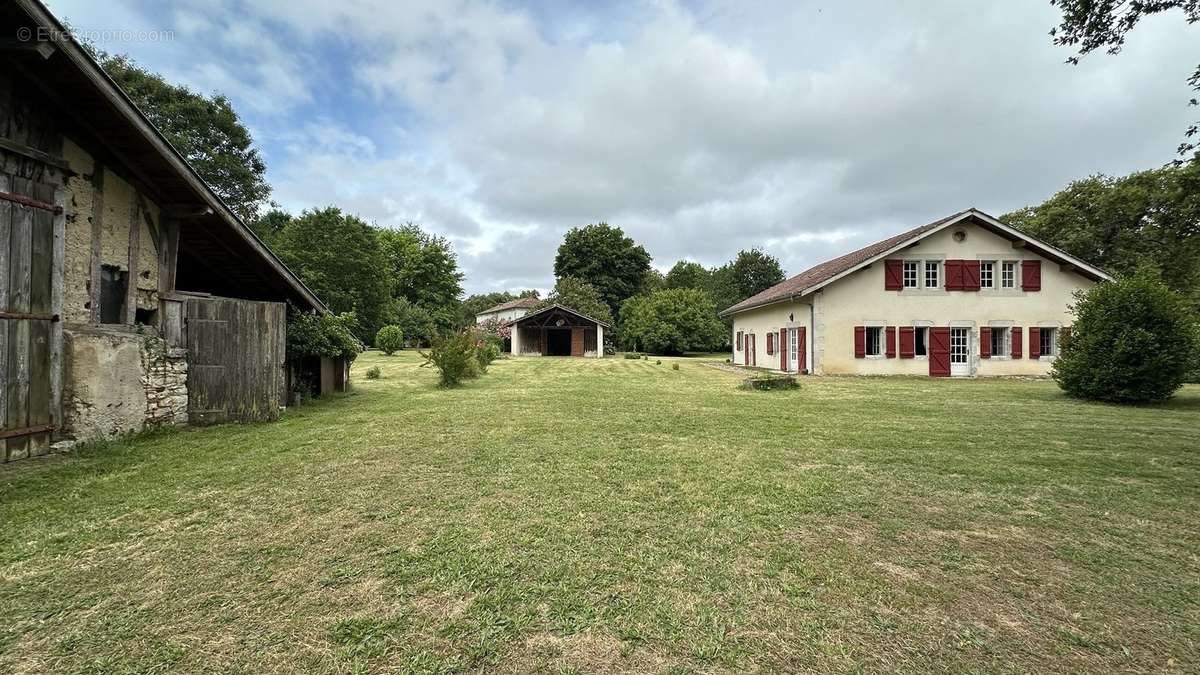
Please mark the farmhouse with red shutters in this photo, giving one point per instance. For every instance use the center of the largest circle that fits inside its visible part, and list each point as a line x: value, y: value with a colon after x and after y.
x: 966, y: 295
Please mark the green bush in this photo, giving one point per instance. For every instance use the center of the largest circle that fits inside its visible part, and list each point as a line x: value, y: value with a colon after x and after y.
x: 1133, y: 341
x: 328, y: 335
x: 674, y: 366
x: 658, y: 362
x: 390, y: 339
x: 374, y: 373
x: 455, y: 358
x: 486, y: 352
x: 633, y: 355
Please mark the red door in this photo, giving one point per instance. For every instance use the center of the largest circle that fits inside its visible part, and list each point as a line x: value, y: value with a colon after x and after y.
x: 939, y: 352
x: 753, y: 351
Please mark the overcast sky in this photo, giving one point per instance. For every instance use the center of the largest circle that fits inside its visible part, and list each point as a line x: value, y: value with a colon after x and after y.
x: 807, y: 129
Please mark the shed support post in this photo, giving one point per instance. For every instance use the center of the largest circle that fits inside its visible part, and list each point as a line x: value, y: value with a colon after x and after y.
x: 516, y: 340
x: 599, y: 341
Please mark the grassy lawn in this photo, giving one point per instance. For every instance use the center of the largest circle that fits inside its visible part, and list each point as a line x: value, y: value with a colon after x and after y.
x: 616, y: 515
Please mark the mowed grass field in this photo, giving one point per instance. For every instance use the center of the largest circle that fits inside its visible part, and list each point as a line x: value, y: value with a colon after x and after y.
x: 566, y: 515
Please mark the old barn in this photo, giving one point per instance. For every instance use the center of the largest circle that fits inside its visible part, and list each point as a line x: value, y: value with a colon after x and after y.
x: 130, y: 294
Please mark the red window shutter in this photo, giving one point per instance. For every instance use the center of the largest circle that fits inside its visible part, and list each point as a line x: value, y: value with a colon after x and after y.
x: 1031, y: 278
x: 954, y: 275
x: 908, y: 342
x: 1035, y: 342
x: 939, y: 352
x: 802, y: 349
x: 860, y: 342
x: 985, y: 343
x: 970, y: 275
x: 770, y: 343
x: 783, y: 349
x: 891, y: 341
x: 893, y: 275
x: 1017, y: 338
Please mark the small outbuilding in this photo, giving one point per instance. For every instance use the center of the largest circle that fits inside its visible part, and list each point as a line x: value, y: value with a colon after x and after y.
x: 558, y: 331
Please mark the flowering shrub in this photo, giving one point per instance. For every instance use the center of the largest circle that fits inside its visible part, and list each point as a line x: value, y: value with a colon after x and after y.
x: 501, y: 330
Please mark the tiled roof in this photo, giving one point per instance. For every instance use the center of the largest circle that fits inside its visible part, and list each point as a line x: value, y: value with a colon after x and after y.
x: 519, y: 303
x: 829, y: 269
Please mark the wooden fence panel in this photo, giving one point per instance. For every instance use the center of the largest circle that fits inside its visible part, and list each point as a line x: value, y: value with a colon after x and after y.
x: 235, y: 360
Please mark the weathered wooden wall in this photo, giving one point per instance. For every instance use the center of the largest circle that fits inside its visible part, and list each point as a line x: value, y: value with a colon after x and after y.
x: 236, y: 360
x: 31, y: 239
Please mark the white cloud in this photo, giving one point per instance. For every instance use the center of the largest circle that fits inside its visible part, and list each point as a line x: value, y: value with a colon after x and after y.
x: 805, y: 128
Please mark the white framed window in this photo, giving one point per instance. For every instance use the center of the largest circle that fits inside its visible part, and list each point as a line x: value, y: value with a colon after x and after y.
x: 874, y: 341
x: 921, y: 341
x: 1001, y: 342
x: 1008, y: 274
x: 910, y: 273
x: 933, y: 274
x: 987, y: 271
x: 1048, y: 338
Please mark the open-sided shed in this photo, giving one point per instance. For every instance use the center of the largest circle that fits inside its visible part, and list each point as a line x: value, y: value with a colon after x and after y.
x: 558, y: 331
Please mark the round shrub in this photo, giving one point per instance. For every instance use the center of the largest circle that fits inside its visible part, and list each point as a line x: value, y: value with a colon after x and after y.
x: 374, y: 373
x: 390, y: 339
x: 674, y: 366
x: 1132, y: 342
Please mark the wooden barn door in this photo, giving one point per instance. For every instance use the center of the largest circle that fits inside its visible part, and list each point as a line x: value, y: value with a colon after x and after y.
x: 236, y: 360
x: 31, y: 222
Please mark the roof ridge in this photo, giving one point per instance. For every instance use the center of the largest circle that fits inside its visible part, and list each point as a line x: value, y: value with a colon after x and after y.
x: 828, y: 269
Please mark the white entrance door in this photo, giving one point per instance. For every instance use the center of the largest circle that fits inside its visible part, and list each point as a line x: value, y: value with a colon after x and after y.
x: 793, y: 350
x: 960, y: 352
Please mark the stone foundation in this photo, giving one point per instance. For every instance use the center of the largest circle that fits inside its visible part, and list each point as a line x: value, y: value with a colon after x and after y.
x: 164, y: 378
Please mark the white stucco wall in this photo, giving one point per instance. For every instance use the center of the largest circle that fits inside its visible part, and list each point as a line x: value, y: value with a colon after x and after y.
x: 859, y: 299
x: 505, y: 315
x: 763, y: 320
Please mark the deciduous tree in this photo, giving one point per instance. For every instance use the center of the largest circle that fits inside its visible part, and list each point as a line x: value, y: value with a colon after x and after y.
x: 688, y: 274
x: 604, y: 257
x: 204, y: 129
x: 671, y: 321
x: 580, y: 296
x: 337, y: 255
x: 1146, y: 219
x: 424, y: 271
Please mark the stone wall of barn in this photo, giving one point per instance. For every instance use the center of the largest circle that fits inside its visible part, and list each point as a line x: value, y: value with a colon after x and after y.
x: 120, y: 377
x: 120, y: 382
